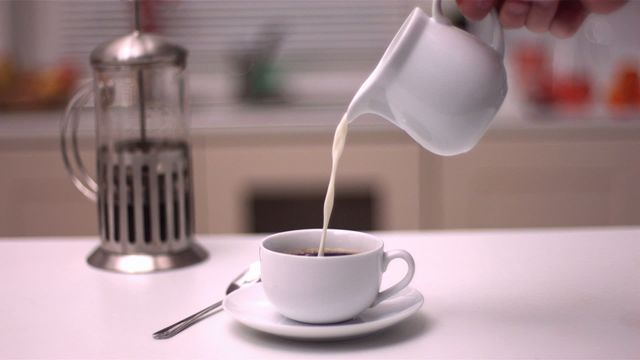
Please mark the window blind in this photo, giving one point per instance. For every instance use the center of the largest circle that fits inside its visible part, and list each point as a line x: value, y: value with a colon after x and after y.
x: 313, y: 32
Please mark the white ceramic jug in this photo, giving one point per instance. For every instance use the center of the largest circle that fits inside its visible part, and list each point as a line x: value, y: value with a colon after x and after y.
x: 440, y: 84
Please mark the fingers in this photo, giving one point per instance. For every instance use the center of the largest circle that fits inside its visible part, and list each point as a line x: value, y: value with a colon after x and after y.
x: 541, y: 15
x: 569, y: 16
x: 560, y: 17
x: 514, y: 13
x: 603, y: 7
x: 475, y: 9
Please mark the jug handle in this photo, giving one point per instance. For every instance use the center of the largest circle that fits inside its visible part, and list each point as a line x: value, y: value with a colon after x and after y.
x: 497, y: 41
x: 69, y: 133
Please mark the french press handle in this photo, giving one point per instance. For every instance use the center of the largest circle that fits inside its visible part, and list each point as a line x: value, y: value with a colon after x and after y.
x: 69, y: 139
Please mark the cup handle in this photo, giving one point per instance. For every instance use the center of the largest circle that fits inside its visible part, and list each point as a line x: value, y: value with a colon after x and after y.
x: 411, y: 267
x: 437, y: 14
x: 69, y: 133
x: 497, y: 41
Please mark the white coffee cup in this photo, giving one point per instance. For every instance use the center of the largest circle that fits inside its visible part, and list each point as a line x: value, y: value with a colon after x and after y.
x: 327, y: 289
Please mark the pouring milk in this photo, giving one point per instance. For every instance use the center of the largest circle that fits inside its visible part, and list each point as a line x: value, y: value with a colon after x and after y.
x: 436, y: 82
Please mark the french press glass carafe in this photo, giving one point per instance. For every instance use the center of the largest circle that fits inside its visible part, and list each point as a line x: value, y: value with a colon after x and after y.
x: 144, y: 185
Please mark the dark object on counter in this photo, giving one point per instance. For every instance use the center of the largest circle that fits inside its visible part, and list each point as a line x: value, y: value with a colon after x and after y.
x: 545, y: 87
x: 625, y: 90
x: 279, y: 210
x: 35, y: 90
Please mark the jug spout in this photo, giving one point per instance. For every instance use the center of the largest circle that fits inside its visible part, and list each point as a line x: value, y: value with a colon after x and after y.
x: 369, y: 100
x: 372, y: 97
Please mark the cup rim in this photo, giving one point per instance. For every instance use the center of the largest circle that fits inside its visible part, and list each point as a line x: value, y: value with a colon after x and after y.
x: 378, y: 247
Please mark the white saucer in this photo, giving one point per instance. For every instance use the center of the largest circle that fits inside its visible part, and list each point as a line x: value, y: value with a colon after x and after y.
x: 250, y: 307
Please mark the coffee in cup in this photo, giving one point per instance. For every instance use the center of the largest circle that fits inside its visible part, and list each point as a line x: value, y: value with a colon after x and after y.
x: 327, y: 252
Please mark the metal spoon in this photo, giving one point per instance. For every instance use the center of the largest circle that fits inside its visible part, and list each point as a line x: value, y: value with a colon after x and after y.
x: 250, y: 276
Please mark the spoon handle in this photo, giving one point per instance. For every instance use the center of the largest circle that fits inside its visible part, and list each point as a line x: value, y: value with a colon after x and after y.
x: 174, y: 329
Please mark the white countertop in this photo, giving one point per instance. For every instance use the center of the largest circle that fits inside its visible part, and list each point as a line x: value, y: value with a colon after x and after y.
x: 562, y: 293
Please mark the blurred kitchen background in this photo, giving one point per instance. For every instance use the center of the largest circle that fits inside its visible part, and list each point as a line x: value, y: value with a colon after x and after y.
x: 269, y: 81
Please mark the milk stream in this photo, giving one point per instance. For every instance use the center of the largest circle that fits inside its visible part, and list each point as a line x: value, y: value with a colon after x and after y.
x: 336, y: 152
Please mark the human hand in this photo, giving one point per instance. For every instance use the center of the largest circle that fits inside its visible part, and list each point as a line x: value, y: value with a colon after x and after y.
x: 562, y: 18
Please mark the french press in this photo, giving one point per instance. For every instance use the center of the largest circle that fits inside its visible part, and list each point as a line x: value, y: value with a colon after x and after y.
x: 144, y: 185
